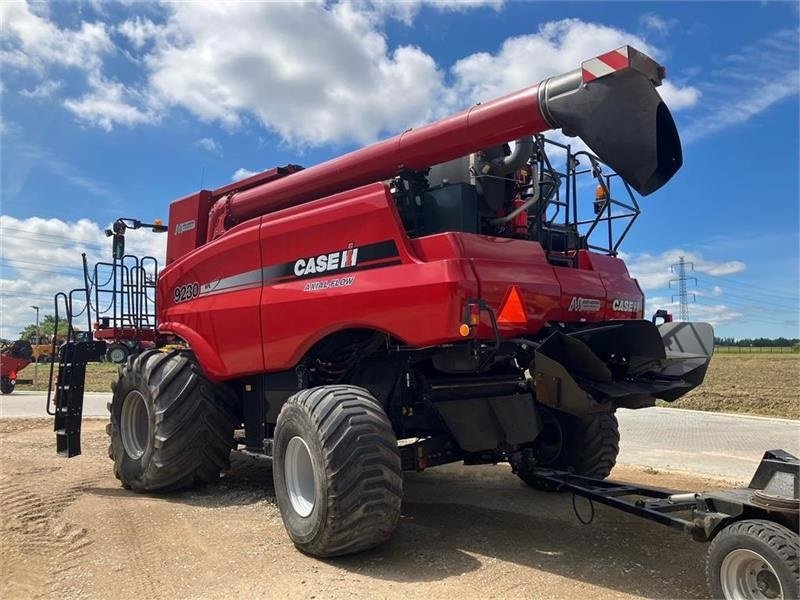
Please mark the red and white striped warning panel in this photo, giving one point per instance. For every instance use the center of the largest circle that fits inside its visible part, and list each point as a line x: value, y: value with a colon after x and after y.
x: 605, y: 64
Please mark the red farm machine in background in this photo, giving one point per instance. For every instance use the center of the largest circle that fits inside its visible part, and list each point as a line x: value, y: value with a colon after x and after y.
x: 440, y: 288
x: 124, y: 296
x: 14, y: 356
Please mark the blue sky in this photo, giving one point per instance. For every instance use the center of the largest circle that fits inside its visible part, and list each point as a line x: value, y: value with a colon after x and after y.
x: 116, y: 109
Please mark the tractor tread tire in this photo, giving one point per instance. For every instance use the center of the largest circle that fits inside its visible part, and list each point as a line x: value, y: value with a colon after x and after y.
x: 601, y: 446
x: 591, y: 449
x: 362, y: 469
x: 192, y: 430
x: 784, y: 544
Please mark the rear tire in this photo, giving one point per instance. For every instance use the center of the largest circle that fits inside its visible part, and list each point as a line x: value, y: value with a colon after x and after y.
x: 170, y: 427
x: 117, y: 353
x: 336, y: 469
x: 7, y: 385
x: 586, y: 446
x: 754, y: 559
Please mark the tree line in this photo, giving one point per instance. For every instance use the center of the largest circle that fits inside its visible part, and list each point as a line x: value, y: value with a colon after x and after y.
x: 780, y: 342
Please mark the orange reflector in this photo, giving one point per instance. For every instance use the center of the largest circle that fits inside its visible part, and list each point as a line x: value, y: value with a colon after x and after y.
x: 464, y: 330
x: 512, y: 310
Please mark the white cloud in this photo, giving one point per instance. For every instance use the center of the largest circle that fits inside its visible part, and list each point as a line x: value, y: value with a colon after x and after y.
x: 749, y: 83
x: 109, y: 103
x: 242, y: 173
x: 31, y: 41
x: 43, y: 90
x: 654, y: 271
x: 39, y: 257
x: 717, y: 314
x: 209, y: 144
x: 314, y: 73
x: 558, y: 47
x: 679, y: 97
x: 139, y: 31
x: 407, y: 10
x: 657, y: 23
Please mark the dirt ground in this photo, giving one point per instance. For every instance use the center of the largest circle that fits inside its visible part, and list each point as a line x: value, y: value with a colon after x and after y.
x: 760, y: 384
x: 69, y: 530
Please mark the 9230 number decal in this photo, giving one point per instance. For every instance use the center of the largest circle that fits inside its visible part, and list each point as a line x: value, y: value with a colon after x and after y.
x: 189, y: 291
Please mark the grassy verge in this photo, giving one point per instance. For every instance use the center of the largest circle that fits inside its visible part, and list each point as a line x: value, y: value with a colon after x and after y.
x: 98, y: 377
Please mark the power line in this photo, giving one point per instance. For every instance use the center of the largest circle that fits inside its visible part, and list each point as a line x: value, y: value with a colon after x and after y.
x: 53, y: 236
x: 728, y: 296
x: 785, y: 322
x: 760, y: 289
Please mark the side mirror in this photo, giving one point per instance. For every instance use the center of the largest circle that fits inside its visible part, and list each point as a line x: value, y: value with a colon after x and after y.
x: 662, y: 314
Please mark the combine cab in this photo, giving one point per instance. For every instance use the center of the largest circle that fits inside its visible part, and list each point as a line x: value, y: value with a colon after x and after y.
x: 439, y: 287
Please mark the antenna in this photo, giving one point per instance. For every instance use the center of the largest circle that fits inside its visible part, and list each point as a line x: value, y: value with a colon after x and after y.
x: 683, y: 295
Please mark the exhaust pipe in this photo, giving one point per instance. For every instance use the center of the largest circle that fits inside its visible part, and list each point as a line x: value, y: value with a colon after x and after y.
x: 610, y: 102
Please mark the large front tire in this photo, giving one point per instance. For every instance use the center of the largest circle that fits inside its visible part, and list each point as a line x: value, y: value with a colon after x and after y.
x: 337, y: 472
x: 170, y: 427
x: 586, y: 446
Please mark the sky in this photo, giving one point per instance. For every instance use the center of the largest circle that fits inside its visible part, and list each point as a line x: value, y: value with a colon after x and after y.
x: 115, y: 109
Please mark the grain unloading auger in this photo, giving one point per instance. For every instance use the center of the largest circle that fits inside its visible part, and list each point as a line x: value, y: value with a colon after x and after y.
x: 438, y: 288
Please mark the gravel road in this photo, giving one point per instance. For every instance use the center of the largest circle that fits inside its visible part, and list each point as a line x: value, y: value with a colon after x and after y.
x: 69, y: 529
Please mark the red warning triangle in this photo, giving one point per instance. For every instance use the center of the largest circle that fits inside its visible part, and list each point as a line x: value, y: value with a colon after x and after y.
x: 513, y: 310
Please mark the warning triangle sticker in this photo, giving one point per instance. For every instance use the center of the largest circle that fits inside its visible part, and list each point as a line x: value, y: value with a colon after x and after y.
x: 513, y: 310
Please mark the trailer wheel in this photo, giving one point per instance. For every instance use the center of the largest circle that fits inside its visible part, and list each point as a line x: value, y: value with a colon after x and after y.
x: 7, y: 385
x: 337, y: 472
x: 754, y: 559
x: 117, y: 353
x: 170, y: 427
x: 586, y: 446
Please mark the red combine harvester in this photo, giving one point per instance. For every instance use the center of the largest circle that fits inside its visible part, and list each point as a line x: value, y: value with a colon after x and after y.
x: 438, y: 288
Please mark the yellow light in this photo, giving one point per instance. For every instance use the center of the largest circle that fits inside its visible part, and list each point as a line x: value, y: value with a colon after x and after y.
x: 600, y: 193
x: 464, y: 330
x: 158, y: 222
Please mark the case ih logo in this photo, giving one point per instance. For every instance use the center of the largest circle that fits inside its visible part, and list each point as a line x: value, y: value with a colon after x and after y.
x: 621, y: 305
x: 579, y: 304
x: 323, y: 263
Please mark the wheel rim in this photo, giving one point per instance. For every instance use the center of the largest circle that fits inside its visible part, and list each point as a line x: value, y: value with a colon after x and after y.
x: 117, y: 355
x: 550, y: 442
x: 135, y: 424
x: 746, y: 575
x: 299, y: 475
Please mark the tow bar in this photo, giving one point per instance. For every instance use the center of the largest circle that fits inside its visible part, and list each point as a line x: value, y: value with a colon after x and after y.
x: 755, y: 546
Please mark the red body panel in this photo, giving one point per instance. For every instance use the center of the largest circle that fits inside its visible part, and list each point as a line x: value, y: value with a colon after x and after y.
x: 252, y: 305
x: 188, y: 221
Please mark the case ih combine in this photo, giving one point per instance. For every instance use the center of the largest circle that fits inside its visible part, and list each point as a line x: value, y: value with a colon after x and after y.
x: 441, y: 289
